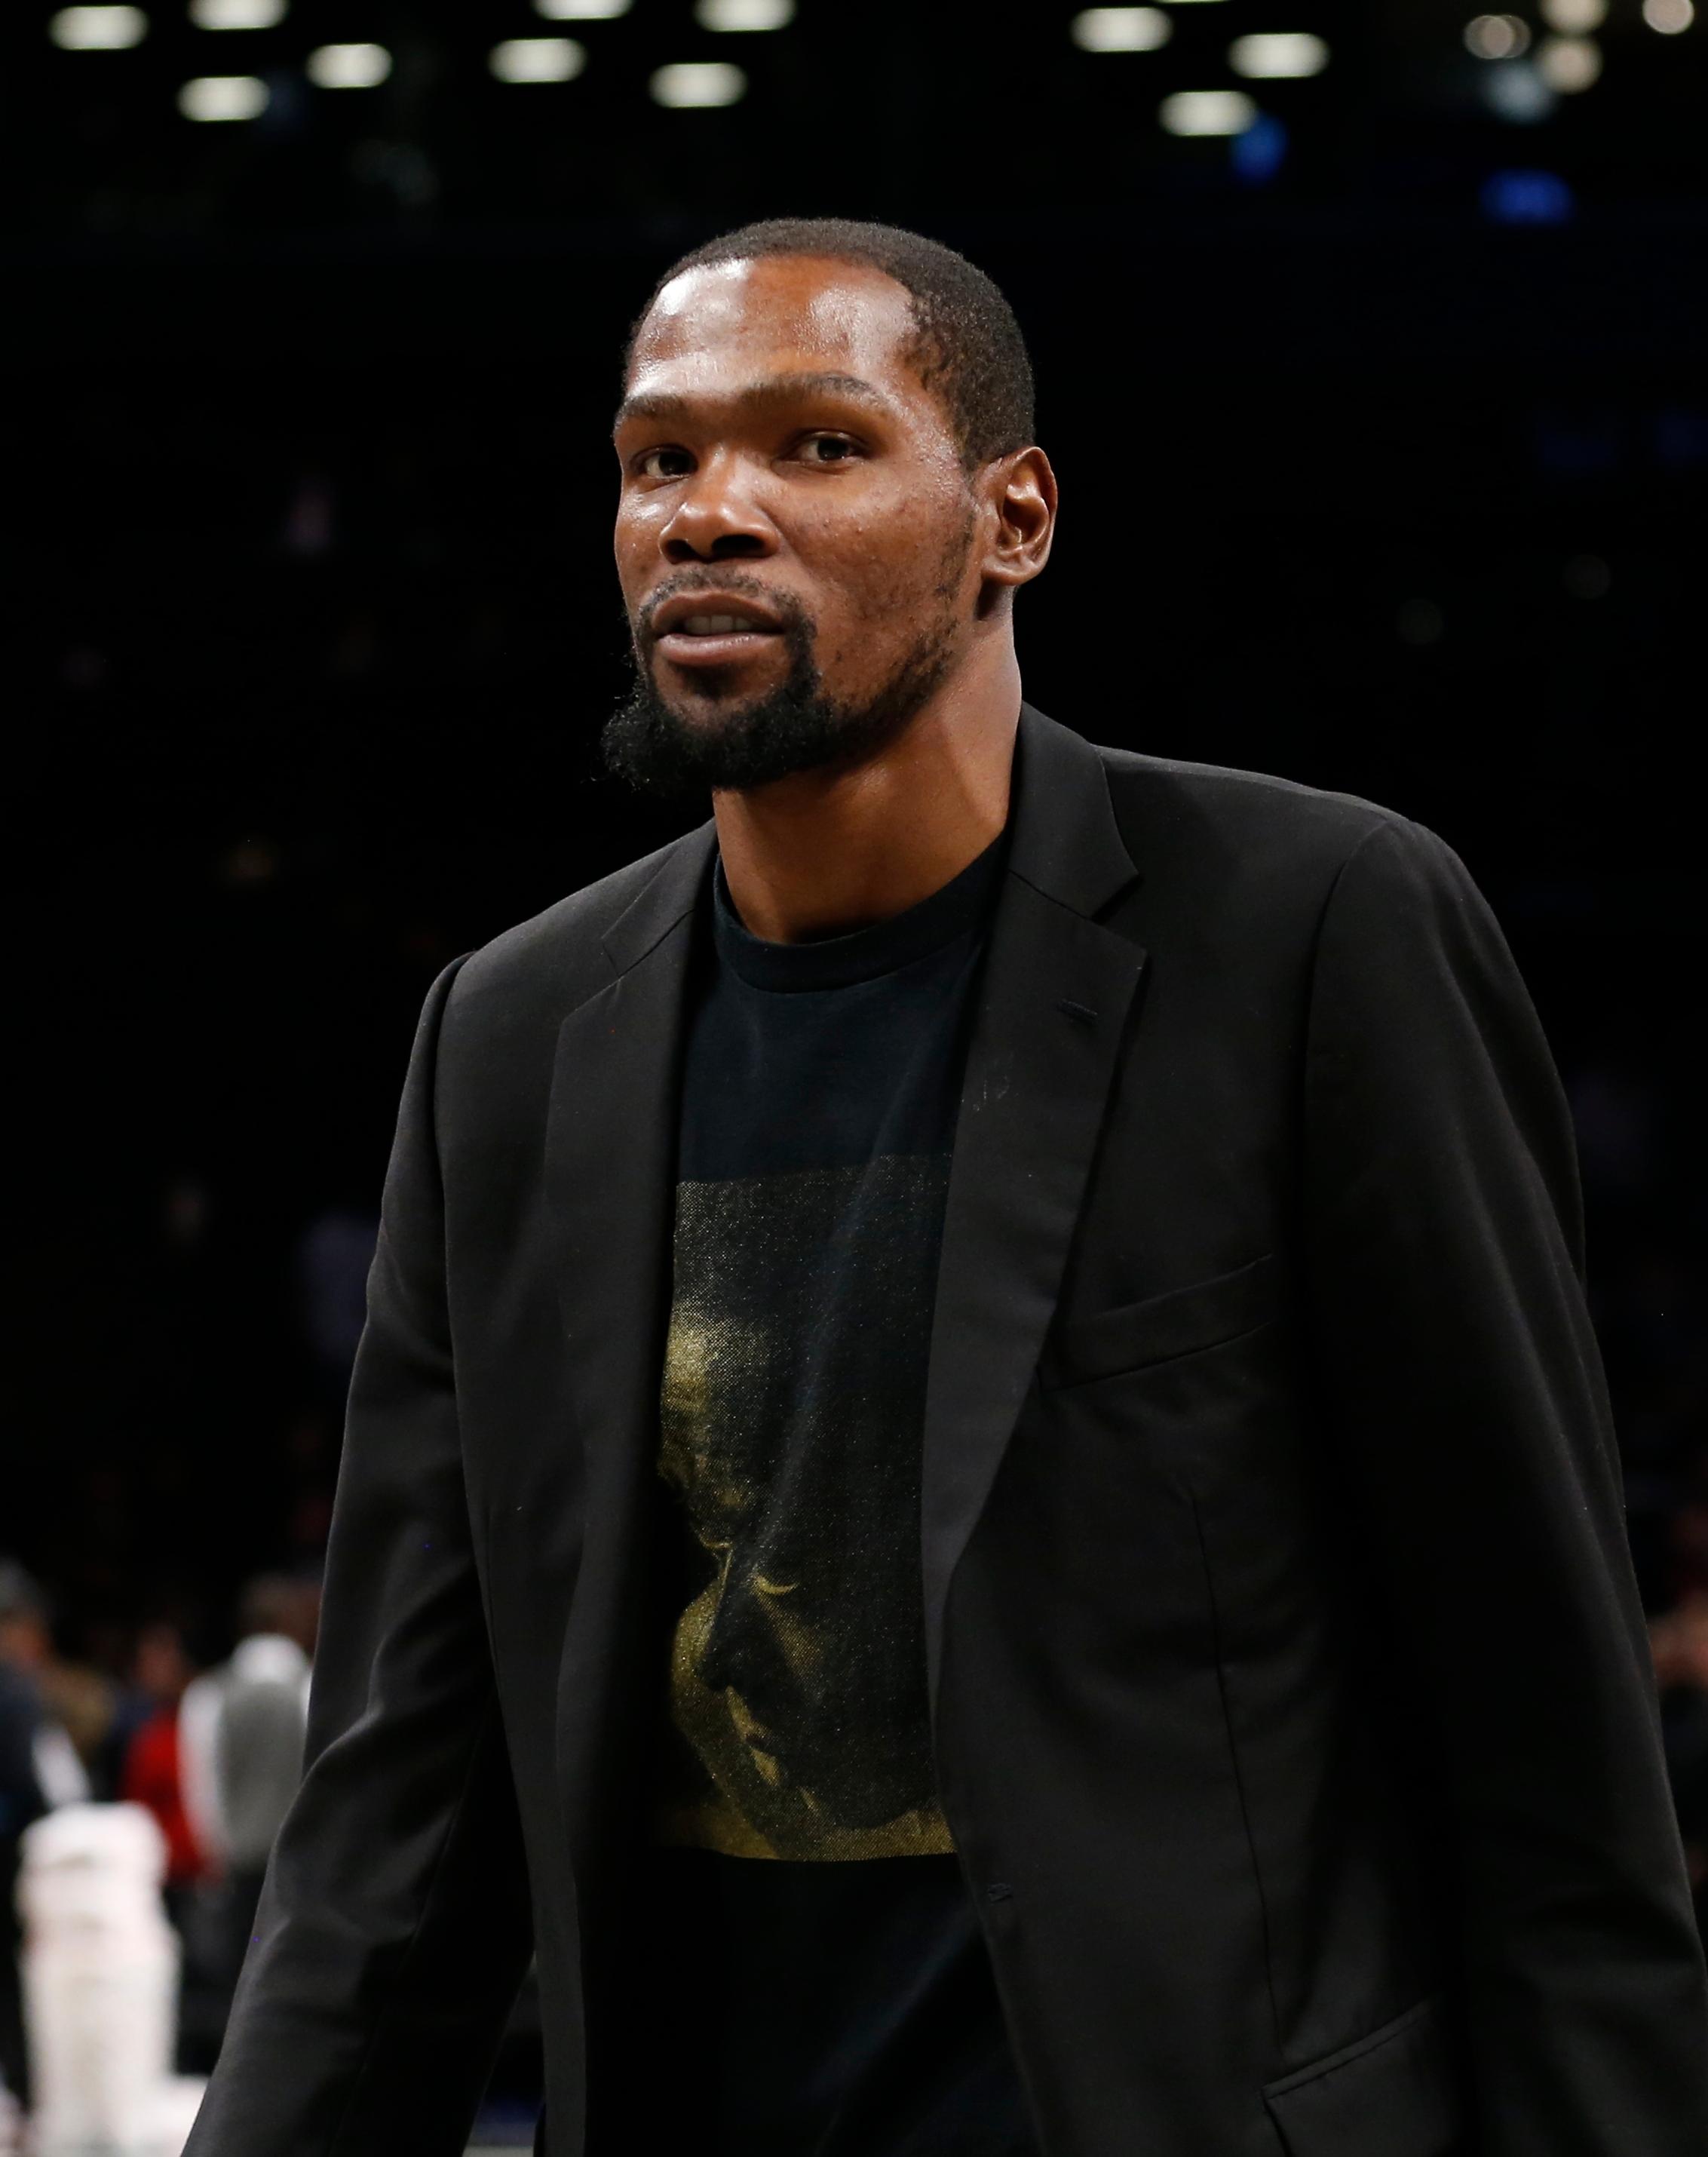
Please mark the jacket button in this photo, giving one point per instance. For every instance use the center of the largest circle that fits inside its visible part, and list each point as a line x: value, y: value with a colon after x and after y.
x: 999, y: 1891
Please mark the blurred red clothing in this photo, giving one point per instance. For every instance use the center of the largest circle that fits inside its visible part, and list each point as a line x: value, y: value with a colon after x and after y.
x: 151, y: 1777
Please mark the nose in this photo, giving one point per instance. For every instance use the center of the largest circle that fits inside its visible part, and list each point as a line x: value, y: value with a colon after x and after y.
x: 716, y: 518
x: 740, y: 1651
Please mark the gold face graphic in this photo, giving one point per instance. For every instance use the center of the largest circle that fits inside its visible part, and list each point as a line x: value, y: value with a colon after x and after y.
x: 793, y: 1383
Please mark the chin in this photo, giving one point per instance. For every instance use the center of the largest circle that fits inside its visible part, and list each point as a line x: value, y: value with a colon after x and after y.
x: 714, y: 688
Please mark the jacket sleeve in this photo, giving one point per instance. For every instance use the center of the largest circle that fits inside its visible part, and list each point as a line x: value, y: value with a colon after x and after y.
x: 393, y: 1932
x: 1444, y: 1260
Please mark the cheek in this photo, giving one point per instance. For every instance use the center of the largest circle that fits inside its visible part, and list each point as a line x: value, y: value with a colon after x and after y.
x: 634, y: 541
x: 883, y: 571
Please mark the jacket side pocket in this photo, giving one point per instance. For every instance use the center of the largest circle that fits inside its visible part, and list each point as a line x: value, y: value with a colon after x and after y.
x: 1393, y: 2093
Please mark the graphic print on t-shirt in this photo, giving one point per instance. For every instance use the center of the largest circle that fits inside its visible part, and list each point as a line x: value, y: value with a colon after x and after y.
x: 794, y: 1371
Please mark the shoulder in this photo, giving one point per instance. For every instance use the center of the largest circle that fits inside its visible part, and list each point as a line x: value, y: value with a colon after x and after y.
x: 1166, y: 805
x: 1243, y: 859
x: 543, y: 967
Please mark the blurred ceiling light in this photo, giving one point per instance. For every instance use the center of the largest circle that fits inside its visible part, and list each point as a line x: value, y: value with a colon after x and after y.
x: 581, y: 11
x: 1527, y: 197
x: 1259, y: 153
x: 537, y: 59
x: 223, y: 97
x: 1568, y: 65
x: 348, y: 67
x: 1668, y: 16
x: 1496, y: 37
x: 1121, y: 30
x: 744, y: 14
x: 236, y: 14
x: 98, y: 29
x: 1574, y: 19
x: 1207, y: 112
x: 1273, y: 54
x: 1517, y: 92
x: 687, y: 83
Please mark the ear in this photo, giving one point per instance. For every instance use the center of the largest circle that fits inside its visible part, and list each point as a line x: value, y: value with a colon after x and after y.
x: 1020, y: 489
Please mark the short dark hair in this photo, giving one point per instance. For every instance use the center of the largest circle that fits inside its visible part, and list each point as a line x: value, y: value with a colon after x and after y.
x: 967, y: 345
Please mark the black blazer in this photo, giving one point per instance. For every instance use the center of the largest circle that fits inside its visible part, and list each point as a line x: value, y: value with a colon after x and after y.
x: 1291, y: 1704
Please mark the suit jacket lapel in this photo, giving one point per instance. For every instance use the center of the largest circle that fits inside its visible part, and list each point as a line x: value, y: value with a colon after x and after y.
x: 1050, y: 1016
x: 610, y: 1157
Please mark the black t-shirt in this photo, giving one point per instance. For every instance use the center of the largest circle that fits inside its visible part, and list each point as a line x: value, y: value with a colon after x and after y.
x: 824, y: 1986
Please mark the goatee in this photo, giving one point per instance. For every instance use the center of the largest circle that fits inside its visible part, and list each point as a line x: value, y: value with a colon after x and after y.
x: 796, y: 727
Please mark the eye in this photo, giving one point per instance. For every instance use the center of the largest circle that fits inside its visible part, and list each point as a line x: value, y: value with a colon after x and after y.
x: 775, y: 1586
x: 825, y: 449
x: 665, y: 463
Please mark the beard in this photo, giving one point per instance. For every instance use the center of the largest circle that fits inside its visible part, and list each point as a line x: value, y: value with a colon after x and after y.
x: 797, y: 725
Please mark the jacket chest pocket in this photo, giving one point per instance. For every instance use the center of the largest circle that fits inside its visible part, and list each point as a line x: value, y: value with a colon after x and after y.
x: 1130, y: 1337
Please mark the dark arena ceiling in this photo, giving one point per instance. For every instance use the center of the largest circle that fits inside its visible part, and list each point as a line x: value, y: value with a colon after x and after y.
x: 182, y: 118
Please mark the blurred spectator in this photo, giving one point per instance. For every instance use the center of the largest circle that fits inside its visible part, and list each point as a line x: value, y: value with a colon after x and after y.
x: 152, y: 1774
x: 1680, y: 1639
x: 80, y: 1702
x: 240, y: 1734
x: 39, y: 1770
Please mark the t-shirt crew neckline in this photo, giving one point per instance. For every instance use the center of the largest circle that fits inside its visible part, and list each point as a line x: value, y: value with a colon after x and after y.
x: 862, y: 955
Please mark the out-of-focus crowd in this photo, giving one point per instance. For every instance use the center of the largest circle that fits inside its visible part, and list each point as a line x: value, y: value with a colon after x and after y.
x: 214, y: 1755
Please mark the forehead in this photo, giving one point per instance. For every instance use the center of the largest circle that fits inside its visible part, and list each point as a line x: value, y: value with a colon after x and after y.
x: 741, y: 321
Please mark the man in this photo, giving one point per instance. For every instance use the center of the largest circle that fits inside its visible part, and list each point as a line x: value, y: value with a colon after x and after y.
x: 945, y: 1351
x: 241, y: 1730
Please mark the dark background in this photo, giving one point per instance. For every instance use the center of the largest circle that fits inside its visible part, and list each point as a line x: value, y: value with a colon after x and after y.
x: 1382, y: 435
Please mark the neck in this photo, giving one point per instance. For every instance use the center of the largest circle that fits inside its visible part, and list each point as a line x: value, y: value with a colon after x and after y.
x: 821, y: 853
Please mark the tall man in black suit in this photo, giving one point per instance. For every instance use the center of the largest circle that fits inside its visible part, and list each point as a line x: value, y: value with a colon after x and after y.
x: 978, y: 1495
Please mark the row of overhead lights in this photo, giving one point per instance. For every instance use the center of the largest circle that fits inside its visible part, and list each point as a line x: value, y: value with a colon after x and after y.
x: 114, y: 29
x: 1568, y: 61
x: 1503, y: 37
x: 364, y: 66
x: 1262, y: 56
x: 1265, y: 53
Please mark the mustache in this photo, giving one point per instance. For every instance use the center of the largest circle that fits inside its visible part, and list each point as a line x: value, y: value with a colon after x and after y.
x: 797, y: 623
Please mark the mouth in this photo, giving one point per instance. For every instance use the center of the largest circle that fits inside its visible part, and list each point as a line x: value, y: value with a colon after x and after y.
x: 702, y: 630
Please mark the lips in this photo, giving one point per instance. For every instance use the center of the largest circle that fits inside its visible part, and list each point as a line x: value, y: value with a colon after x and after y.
x: 714, y: 613
x: 714, y: 624
x: 714, y: 629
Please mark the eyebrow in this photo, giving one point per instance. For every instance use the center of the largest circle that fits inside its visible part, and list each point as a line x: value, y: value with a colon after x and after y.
x: 775, y: 390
